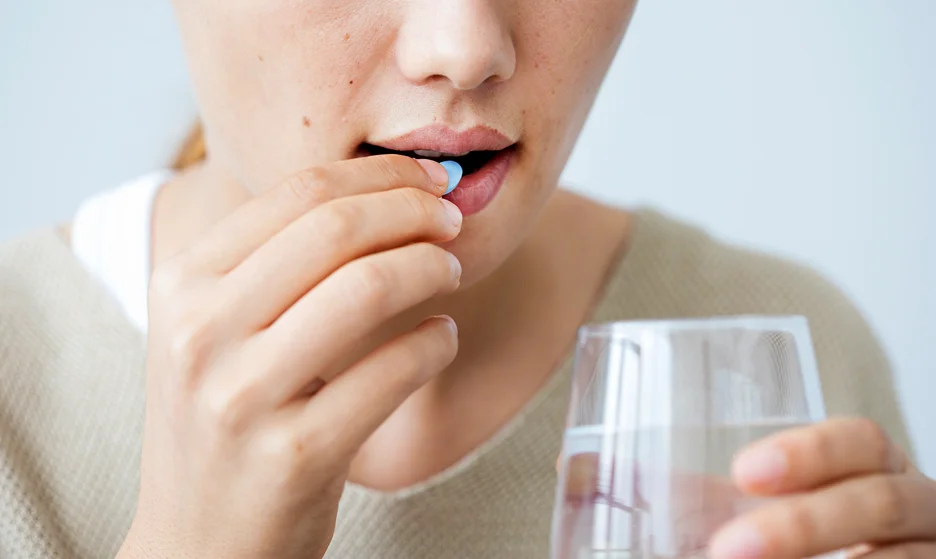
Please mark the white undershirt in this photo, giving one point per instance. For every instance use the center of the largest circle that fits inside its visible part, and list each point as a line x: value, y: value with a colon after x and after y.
x: 110, y: 235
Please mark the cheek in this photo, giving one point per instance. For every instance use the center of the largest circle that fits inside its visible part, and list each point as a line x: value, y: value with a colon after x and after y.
x: 569, y: 46
x: 575, y: 38
x: 277, y: 81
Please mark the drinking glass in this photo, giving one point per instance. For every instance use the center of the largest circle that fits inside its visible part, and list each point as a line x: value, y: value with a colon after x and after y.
x: 658, y: 410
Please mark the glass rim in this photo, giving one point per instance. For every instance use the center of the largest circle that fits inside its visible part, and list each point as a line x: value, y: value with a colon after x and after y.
x: 627, y: 328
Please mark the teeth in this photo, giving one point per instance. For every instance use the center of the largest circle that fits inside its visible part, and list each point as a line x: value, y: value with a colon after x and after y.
x: 430, y: 153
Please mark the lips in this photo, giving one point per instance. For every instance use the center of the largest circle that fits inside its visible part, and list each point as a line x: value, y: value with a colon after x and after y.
x: 444, y: 139
x: 485, y: 155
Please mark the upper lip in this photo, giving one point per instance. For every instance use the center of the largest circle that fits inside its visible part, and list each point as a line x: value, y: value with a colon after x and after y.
x: 446, y: 140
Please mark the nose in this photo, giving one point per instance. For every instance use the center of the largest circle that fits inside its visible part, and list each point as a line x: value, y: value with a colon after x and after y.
x: 466, y: 42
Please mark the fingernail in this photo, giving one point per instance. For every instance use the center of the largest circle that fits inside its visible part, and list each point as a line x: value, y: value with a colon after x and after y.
x: 436, y: 171
x: 456, y: 266
x: 448, y: 320
x: 737, y: 542
x: 760, y: 466
x: 451, y: 210
x: 452, y: 325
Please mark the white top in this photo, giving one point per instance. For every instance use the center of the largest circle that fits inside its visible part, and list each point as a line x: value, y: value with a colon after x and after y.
x: 110, y: 235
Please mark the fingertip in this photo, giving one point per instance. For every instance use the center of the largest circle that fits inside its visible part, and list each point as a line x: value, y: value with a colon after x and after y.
x: 448, y: 322
x: 739, y: 540
x: 437, y: 173
x: 761, y: 467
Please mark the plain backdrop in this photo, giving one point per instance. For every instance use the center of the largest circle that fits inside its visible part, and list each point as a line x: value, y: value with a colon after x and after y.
x: 804, y: 127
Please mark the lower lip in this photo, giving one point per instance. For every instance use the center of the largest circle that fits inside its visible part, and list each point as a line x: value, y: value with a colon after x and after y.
x: 477, y: 190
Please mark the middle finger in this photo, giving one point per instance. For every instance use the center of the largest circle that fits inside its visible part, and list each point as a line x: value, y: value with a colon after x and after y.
x: 319, y: 243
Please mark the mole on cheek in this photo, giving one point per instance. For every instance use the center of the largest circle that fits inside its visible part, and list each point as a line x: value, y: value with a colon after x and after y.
x: 347, y: 36
x: 306, y: 122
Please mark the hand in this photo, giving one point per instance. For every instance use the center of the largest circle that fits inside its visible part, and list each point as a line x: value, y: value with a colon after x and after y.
x: 842, y: 485
x: 257, y: 399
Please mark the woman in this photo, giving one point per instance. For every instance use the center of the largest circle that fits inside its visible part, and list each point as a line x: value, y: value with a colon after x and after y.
x: 300, y: 347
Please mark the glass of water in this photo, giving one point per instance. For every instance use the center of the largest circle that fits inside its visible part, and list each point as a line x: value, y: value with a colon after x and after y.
x: 658, y: 411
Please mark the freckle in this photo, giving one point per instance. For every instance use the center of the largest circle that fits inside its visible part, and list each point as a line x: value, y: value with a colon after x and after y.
x: 536, y: 64
x: 260, y: 58
x: 347, y: 36
x: 306, y: 122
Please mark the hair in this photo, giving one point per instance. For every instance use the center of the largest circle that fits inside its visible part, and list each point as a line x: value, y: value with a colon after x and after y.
x: 192, y: 150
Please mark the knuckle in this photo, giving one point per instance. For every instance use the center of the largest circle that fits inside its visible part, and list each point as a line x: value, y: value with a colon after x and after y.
x: 391, y: 168
x: 888, y: 503
x: 818, y: 444
x: 285, y: 451
x: 877, y: 440
x: 309, y: 187
x: 190, y: 344
x: 373, y: 283
x: 341, y: 221
x: 802, y: 524
x: 225, y: 409
x: 168, y: 279
x: 424, y: 207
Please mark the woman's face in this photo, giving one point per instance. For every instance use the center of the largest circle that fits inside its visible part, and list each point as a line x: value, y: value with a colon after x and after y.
x: 288, y: 84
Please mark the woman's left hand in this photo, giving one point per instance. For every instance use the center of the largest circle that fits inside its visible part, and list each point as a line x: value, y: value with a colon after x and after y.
x: 842, y: 484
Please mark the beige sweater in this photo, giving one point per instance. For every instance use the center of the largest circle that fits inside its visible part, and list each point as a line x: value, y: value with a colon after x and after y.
x: 71, y: 404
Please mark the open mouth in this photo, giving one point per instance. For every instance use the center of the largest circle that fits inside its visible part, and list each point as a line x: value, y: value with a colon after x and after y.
x: 471, y: 162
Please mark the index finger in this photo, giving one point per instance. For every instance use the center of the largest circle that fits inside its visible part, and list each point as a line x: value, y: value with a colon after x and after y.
x: 251, y: 225
x: 809, y: 457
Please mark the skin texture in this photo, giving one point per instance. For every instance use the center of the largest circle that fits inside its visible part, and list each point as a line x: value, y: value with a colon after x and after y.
x: 294, y: 338
x: 291, y: 84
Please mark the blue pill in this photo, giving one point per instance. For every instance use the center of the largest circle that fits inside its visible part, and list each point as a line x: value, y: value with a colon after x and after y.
x: 454, y: 174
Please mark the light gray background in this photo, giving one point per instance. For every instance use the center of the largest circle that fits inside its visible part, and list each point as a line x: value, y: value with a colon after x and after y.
x: 805, y: 127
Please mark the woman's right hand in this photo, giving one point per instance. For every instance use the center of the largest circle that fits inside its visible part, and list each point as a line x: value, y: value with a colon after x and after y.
x: 256, y: 398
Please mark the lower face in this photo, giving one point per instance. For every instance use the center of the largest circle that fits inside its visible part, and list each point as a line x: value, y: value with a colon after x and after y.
x: 501, y: 86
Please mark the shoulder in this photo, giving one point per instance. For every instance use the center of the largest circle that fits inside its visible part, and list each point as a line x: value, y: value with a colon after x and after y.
x: 25, y: 261
x: 47, y: 296
x: 69, y: 367
x: 678, y: 270
x: 31, y: 269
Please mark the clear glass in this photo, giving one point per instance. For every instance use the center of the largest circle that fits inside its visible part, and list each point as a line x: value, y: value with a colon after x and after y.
x: 658, y: 411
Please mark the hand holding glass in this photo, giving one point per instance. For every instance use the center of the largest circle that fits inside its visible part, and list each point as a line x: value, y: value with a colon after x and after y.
x: 658, y: 411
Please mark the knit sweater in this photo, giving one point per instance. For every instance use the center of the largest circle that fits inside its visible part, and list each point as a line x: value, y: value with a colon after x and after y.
x: 72, y: 395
